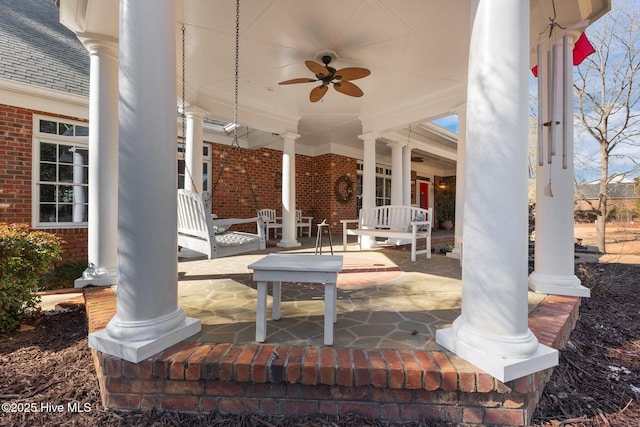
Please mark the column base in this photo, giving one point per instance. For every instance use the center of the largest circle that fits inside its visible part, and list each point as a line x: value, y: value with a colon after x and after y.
x: 557, y: 285
x: 136, y: 351
x: 502, y: 368
x: 96, y: 277
x: 288, y: 244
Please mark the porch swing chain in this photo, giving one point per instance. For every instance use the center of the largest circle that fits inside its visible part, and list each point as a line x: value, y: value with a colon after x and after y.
x: 184, y: 112
x: 235, y: 144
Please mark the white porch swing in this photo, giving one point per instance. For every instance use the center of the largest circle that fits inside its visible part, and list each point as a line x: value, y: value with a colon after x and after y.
x: 197, y: 230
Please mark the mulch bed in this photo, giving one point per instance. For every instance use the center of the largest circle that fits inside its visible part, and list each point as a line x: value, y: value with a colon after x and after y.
x: 596, y: 384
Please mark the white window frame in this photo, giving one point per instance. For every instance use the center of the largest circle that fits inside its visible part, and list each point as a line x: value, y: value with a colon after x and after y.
x: 206, y: 161
x: 383, y: 172
x: 39, y: 137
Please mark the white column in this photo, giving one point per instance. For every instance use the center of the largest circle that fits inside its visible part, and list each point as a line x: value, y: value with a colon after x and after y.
x: 396, y: 173
x: 492, y: 331
x: 289, y: 191
x: 368, y: 179
x: 460, y: 165
x: 406, y: 175
x: 147, y: 319
x: 193, y: 149
x: 103, y: 162
x: 554, y: 241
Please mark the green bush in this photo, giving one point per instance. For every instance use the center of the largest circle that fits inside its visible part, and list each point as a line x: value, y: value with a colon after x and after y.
x: 24, y: 255
x: 62, y: 276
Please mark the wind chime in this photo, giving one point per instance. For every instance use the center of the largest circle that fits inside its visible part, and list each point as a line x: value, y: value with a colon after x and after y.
x: 547, y: 129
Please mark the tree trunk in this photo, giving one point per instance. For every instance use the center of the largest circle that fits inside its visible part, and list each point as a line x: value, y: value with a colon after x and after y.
x: 603, y: 195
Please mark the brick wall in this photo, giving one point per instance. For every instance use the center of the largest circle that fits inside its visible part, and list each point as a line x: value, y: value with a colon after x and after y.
x: 16, y: 141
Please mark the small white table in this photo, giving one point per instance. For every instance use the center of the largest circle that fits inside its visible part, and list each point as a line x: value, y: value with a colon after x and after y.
x: 303, y: 268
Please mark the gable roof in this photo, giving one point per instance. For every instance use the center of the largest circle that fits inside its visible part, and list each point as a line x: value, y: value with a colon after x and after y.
x: 36, y: 49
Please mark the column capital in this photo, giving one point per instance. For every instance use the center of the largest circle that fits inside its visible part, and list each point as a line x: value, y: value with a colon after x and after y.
x: 98, y: 44
x: 289, y: 136
x: 368, y: 137
x: 195, y: 112
x: 392, y: 144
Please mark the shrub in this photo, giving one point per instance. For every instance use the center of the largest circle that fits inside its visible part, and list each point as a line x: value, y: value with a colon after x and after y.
x: 24, y: 255
x: 62, y: 276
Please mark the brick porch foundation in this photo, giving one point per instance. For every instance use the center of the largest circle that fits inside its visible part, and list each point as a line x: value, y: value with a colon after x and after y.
x: 394, y: 385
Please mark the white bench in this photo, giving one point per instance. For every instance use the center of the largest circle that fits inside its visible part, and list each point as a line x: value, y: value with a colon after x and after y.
x: 399, y: 222
x: 198, y: 231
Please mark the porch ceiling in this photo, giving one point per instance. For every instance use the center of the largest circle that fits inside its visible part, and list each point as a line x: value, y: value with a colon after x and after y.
x: 417, y: 51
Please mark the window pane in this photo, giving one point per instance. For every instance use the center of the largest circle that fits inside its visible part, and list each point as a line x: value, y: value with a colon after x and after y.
x: 65, y: 194
x: 48, y: 193
x: 181, y: 167
x: 48, y: 152
x: 64, y: 213
x: 65, y: 155
x: 379, y: 187
x: 205, y: 177
x: 80, y: 211
x: 47, y: 126
x: 48, y: 172
x: 181, y: 181
x: 66, y: 173
x: 65, y: 129
x: 205, y: 151
x: 82, y: 131
x: 47, y: 213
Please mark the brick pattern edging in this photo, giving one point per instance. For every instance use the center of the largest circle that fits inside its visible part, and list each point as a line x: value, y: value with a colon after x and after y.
x: 268, y: 378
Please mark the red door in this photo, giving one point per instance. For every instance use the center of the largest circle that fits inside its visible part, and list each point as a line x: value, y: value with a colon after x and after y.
x: 424, y: 195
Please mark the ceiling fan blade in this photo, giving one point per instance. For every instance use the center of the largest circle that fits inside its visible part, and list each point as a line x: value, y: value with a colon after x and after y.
x: 317, y: 93
x: 300, y: 80
x: 316, y: 68
x: 352, y: 73
x: 348, y: 88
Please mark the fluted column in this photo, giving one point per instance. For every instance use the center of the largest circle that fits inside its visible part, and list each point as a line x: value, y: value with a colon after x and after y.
x: 492, y: 331
x: 554, y: 267
x: 396, y: 173
x: 406, y: 175
x: 193, y: 149
x: 147, y: 319
x: 103, y: 162
x: 289, y: 191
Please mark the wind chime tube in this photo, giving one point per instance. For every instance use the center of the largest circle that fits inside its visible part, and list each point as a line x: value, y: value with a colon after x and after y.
x: 549, y: 122
x: 540, y: 112
x: 554, y: 97
x: 567, y: 98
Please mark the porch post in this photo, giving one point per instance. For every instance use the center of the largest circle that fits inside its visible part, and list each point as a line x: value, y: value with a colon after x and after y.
x: 492, y: 331
x: 103, y: 161
x: 368, y: 179
x: 406, y: 175
x: 193, y: 149
x: 396, y: 173
x: 147, y: 319
x: 554, y: 244
x: 460, y: 178
x: 289, y: 191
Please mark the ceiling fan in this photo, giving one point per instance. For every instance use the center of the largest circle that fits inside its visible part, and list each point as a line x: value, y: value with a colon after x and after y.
x: 341, y: 79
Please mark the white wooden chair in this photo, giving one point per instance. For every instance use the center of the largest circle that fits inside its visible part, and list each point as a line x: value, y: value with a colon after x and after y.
x: 303, y: 222
x: 270, y: 222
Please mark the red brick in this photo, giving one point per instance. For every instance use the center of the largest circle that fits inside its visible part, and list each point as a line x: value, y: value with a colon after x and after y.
x: 473, y: 415
x: 178, y: 365
x: 330, y: 408
x: 179, y: 403
x: 431, y: 373
x: 113, y: 367
x: 345, y: 368
x: 379, y: 372
x: 123, y: 401
x: 209, y: 404
x: 277, y: 367
x: 146, y: 386
x: 396, y: 373
x: 361, y: 372
x: 449, y: 374
x: 259, y: 372
x: 327, y: 366
x: 239, y: 406
x: 391, y: 395
x: 294, y: 364
x: 310, y: 366
x: 295, y: 407
x: 225, y: 370
x: 413, y: 371
x: 369, y: 410
x: 501, y: 416
x: 224, y: 389
x: 211, y: 364
x: 243, y: 364
x: 194, y: 363
x: 184, y: 387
